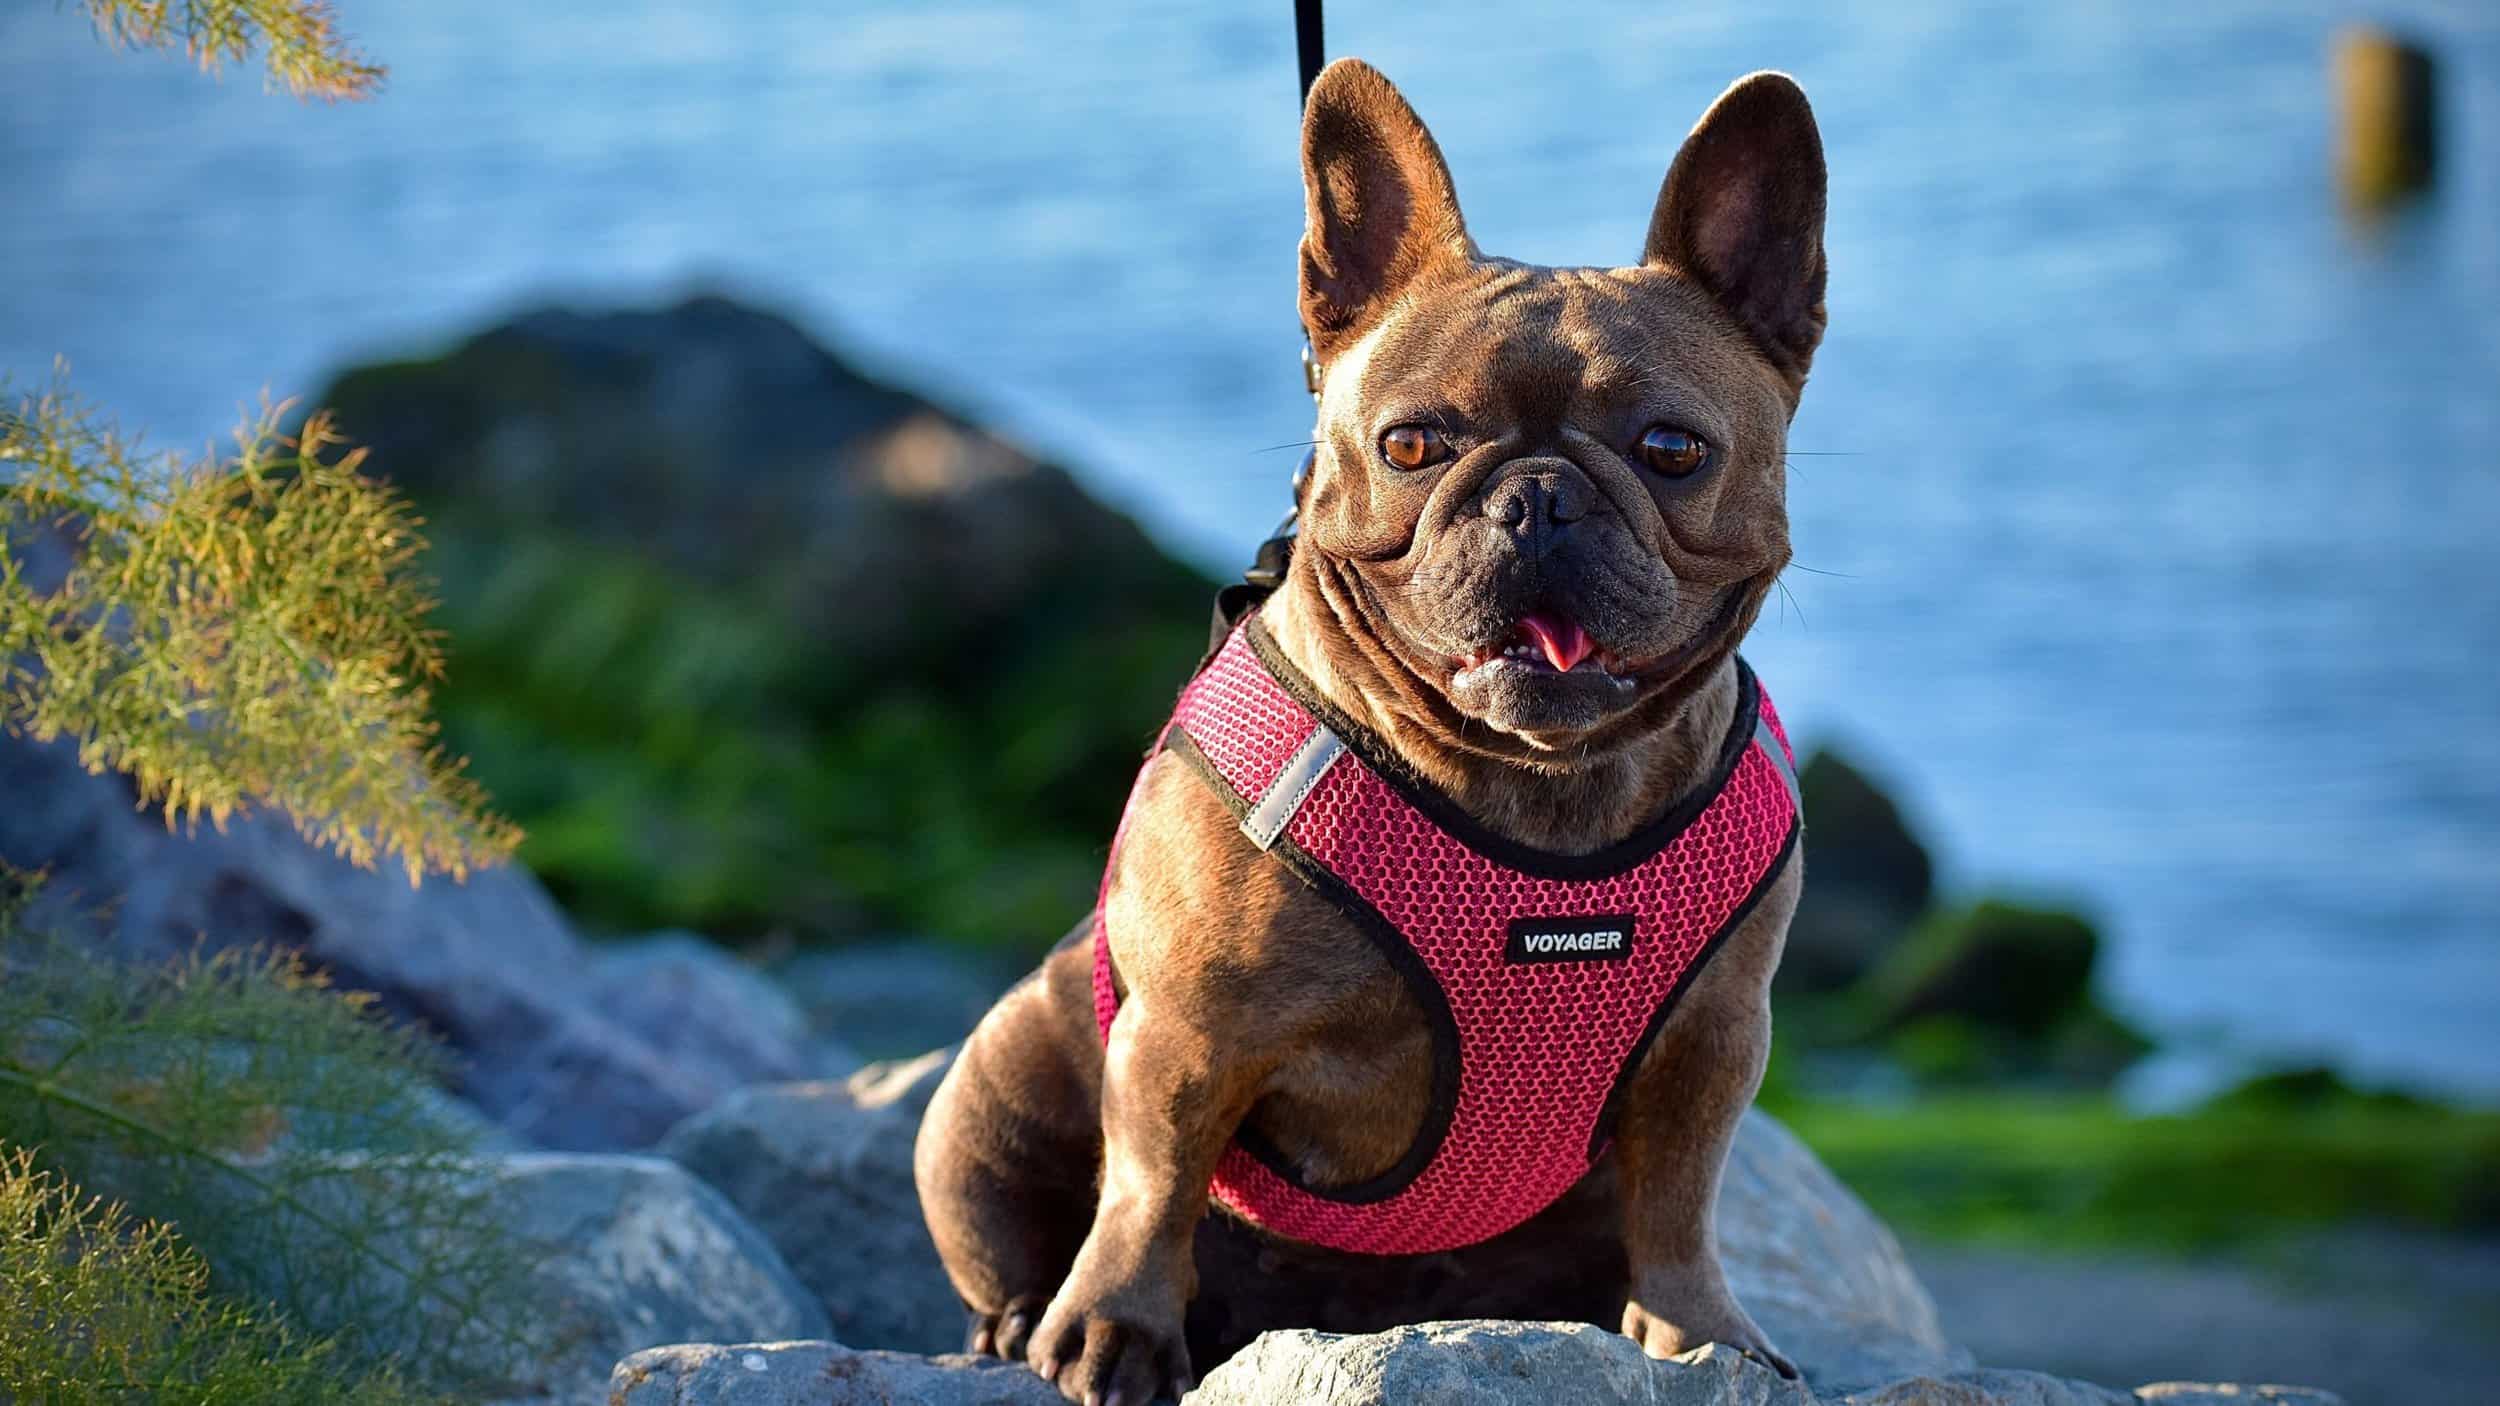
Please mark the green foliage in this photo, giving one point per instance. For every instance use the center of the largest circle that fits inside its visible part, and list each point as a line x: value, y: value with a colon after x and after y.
x: 96, y: 1306
x: 290, y: 1135
x: 683, y: 758
x: 305, y: 54
x: 233, y: 631
x: 2079, y: 1172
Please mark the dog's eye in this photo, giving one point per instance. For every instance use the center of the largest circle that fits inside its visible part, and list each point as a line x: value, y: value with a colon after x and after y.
x: 1413, y: 446
x: 1664, y: 449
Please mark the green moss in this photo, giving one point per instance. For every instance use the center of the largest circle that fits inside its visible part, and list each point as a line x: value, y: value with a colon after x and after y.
x: 677, y: 758
x: 2079, y: 1172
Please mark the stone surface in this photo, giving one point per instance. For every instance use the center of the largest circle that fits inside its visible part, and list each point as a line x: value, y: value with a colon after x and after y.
x: 1445, y: 1364
x: 1497, y: 1363
x: 1817, y: 1270
x: 489, y: 965
x: 824, y: 1170
x: 627, y: 1251
x: 706, y: 1004
x: 892, y: 999
x: 818, y: 1374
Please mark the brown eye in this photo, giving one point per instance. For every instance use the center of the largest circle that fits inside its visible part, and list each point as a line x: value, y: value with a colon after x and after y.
x: 1413, y: 446
x: 1666, y: 450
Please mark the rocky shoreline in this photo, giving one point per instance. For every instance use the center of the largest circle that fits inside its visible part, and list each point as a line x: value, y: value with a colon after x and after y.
x: 768, y: 1248
x: 711, y: 1192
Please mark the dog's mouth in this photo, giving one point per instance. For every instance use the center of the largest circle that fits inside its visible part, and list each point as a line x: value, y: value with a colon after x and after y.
x: 1546, y: 642
x: 1549, y: 675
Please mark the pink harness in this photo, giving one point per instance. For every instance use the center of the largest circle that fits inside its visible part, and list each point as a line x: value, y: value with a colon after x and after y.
x: 1544, y: 976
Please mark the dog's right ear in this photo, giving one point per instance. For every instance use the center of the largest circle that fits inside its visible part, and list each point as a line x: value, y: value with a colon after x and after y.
x: 1380, y: 207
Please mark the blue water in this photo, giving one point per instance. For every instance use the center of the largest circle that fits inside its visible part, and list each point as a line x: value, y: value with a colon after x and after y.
x: 2146, y: 509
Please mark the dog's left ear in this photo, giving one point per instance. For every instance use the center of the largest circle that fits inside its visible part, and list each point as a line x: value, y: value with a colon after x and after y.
x: 1742, y: 213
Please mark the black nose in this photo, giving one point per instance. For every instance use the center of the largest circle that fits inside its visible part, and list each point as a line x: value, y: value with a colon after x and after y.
x: 1533, y: 502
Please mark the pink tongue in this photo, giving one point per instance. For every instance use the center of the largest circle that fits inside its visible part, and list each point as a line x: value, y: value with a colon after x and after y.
x: 1564, y: 642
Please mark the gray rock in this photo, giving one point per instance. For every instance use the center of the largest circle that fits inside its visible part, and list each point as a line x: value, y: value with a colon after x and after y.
x: 892, y: 999
x: 824, y: 1169
x: 818, y: 1374
x: 703, y: 1002
x: 1817, y: 1270
x: 629, y: 1251
x: 1497, y: 1363
x: 489, y: 965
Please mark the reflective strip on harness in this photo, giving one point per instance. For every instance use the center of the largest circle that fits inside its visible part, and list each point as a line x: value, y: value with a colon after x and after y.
x: 1773, y: 747
x: 1293, y: 785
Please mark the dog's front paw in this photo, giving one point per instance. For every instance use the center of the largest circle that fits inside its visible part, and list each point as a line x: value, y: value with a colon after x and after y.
x: 1663, y: 1335
x: 1004, y: 1333
x: 1107, y: 1352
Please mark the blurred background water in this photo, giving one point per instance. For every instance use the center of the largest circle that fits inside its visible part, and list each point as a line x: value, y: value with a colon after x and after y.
x: 2145, y: 507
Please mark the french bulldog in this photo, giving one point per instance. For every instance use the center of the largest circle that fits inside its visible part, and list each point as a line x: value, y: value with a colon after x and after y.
x: 1544, y: 507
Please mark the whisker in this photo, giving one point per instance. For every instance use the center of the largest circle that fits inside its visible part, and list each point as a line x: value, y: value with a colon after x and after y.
x: 1801, y: 566
x: 1789, y: 599
x: 1288, y: 444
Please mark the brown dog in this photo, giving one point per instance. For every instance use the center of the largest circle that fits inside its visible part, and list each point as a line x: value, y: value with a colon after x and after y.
x: 1601, y: 448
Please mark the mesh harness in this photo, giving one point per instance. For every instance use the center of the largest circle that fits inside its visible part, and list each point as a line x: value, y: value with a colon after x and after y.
x: 1543, y: 977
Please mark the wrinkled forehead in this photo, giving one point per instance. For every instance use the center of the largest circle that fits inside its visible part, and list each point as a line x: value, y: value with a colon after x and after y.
x: 1539, y: 344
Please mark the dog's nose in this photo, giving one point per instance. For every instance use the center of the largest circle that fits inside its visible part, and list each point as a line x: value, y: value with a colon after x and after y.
x: 1533, y: 501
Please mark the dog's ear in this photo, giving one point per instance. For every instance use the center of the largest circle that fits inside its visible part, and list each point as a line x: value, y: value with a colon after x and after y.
x: 1742, y: 213
x: 1380, y: 207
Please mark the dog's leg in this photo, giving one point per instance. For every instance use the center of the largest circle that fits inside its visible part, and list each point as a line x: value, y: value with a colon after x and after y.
x: 1678, y: 1123
x: 1007, y: 1153
x: 1174, y: 1090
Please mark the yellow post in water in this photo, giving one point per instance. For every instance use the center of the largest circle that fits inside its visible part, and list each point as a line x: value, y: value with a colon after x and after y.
x: 2386, y: 119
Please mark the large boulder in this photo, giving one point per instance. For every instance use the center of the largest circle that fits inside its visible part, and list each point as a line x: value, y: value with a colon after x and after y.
x: 1817, y: 1270
x: 490, y: 964
x: 892, y: 999
x: 824, y: 1169
x: 1995, y: 991
x: 750, y: 642
x: 623, y: 1252
x: 1872, y: 878
x: 713, y: 1007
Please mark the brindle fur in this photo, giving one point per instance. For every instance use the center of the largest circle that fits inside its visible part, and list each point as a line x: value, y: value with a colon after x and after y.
x: 1065, y: 1180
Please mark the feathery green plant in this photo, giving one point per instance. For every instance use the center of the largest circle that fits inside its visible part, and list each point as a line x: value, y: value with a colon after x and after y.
x: 288, y: 1133
x: 232, y: 631
x: 97, y: 1306
x: 306, y: 55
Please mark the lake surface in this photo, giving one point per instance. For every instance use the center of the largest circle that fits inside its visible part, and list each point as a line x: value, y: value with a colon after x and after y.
x: 2147, y: 513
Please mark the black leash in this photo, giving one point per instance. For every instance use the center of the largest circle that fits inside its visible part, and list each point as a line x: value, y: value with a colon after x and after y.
x: 1307, y: 41
x: 1267, y: 569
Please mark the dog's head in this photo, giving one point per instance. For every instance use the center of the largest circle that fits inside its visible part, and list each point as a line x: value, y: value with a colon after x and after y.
x: 1556, y: 496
